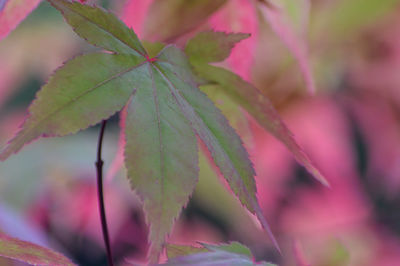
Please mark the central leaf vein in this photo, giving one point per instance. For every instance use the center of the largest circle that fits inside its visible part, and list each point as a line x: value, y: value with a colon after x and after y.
x: 110, y: 33
x: 162, y: 164
x: 233, y: 172
x: 117, y: 75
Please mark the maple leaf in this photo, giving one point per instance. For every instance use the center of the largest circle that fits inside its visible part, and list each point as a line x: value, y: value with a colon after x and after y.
x: 240, y: 91
x: 30, y: 253
x: 164, y: 112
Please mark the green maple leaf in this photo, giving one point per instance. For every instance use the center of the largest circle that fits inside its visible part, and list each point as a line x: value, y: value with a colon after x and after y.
x: 165, y: 110
x: 209, y: 47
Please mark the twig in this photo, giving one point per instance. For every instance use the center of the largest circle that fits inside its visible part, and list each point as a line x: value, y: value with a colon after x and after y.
x: 99, y: 168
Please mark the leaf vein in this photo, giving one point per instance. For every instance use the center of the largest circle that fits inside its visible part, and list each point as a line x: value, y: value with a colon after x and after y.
x: 117, y: 75
x: 233, y: 170
x: 109, y: 33
x: 162, y: 163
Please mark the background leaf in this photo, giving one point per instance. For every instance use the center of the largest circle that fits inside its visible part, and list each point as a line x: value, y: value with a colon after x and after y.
x: 343, y: 18
x: 214, y: 258
x: 168, y: 19
x: 279, y: 20
x: 233, y: 247
x: 181, y: 250
x: 226, y: 254
x: 12, y: 12
x: 30, y: 253
x: 174, y: 251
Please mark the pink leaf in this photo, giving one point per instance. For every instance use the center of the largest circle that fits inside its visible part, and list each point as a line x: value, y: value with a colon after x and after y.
x: 12, y: 12
x: 280, y: 23
x: 30, y: 253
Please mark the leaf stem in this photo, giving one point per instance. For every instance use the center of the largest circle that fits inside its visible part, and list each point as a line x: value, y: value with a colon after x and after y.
x: 100, y: 194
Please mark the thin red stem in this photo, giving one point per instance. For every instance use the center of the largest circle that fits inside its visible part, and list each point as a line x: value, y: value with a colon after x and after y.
x: 100, y: 194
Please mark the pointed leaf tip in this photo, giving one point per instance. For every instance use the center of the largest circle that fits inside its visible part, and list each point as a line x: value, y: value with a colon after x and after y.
x: 321, y: 178
x: 213, y: 46
x: 266, y: 227
x: 100, y: 27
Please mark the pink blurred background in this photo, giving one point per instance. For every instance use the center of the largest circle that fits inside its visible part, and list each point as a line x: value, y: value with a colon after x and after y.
x: 350, y: 128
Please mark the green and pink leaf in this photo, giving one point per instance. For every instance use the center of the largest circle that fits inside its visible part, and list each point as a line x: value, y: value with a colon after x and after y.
x: 30, y: 253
